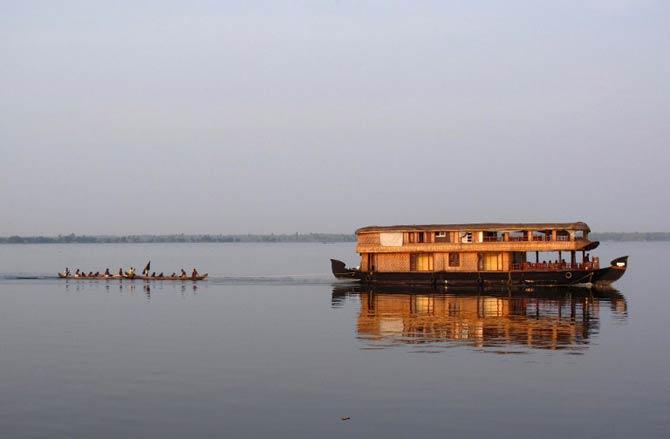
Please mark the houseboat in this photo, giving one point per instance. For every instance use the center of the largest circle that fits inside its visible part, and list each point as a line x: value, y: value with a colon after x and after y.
x: 479, y: 254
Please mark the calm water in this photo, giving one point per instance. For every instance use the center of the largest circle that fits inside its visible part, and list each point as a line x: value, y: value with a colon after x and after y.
x: 271, y: 346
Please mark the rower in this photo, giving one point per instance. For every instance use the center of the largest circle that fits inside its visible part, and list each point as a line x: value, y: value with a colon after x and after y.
x: 153, y: 274
x: 76, y: 273
x: 194, y: 274
x: 90, y: 274
x: 107, y: 273
x: 67, y: 272
x: 183, y: 273
x: 121, y: 272
x: 97, y: 273
x: 161, y: 275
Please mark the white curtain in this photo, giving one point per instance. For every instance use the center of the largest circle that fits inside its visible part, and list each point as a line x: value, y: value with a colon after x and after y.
x: 390, y: 239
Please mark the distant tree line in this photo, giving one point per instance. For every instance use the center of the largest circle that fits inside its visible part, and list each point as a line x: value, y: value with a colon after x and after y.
x: 108, y: 239
x: 295, y: 237
x: 630, y: 236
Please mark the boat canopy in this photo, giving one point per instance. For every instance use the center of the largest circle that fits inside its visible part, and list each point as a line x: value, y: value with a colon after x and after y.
x: 477, y: 227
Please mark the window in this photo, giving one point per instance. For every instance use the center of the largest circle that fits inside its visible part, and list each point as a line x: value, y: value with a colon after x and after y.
x: 417, y: 237
x: 465, y: 237
x: 492, y: 236
x: 518, y: 257
x: 541, y: 235
x: 454, y: 259
x: 421, y: 262
x: 390, y: 239
x: 492, y: 261
x: 442, y: 237
x: 518, y: 236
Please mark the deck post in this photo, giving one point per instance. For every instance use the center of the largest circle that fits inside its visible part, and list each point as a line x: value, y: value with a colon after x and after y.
x: 572, y: 258
x: 537, y: 257
x: 560, y: 256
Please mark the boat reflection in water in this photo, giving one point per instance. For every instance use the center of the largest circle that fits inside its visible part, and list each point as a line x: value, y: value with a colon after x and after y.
x: 553, y: 318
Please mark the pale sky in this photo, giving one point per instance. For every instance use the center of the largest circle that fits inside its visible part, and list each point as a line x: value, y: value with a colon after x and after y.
x: 259, y: 117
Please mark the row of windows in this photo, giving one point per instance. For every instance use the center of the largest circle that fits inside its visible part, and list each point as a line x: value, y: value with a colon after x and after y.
x: 485, y: 261
x: 468, y: 237
x: 429, y: 237
x: 424, y: 261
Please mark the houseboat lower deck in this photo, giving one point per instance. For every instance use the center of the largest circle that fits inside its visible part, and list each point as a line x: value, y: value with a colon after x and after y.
x: 479, y: 254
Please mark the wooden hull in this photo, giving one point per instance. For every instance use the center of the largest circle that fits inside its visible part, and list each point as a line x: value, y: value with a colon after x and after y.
x: 600, y: 277
x: 136, y: 277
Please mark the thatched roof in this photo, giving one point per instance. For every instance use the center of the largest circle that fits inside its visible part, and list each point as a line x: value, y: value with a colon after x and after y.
x: 477, y: 227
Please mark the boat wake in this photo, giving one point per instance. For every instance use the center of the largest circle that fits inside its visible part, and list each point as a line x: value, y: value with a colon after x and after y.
x: 26, y: 277
x: 294, y: 279
x: 286, y: 279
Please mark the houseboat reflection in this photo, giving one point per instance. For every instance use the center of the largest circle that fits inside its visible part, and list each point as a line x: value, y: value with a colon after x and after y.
x: 554, y: 319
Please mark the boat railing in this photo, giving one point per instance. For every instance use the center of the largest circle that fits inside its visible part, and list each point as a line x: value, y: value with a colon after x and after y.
x: 555, y: 266
x: 525, y: 238
x: 536, y: 238
x: 518, y: 238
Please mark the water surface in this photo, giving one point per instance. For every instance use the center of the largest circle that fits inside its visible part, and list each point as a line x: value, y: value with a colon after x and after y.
x: 272, y: 346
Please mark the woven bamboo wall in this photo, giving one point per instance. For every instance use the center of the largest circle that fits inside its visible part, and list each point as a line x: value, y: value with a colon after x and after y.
x: 368, y: 238
x: 387, y: 262
x: 468, y: 262
x: 364, y: 263
x: 440, y: 261
x: 400, y: 262
x: 507, y: 260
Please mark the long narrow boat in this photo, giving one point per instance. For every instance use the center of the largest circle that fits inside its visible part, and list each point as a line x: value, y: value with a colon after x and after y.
x: 479, y: 254
x: 135, y: 277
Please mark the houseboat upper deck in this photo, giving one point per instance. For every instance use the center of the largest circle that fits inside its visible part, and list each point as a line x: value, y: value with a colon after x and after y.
x: 512, y: 253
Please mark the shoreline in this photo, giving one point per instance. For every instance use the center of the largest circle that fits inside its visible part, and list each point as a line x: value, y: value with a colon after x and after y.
x: 297, y: 238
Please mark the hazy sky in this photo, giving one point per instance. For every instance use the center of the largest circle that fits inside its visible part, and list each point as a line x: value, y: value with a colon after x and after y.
x: 258, y: 117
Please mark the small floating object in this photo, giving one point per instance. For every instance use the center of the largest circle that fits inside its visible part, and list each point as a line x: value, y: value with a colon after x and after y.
x: 345, y: 418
